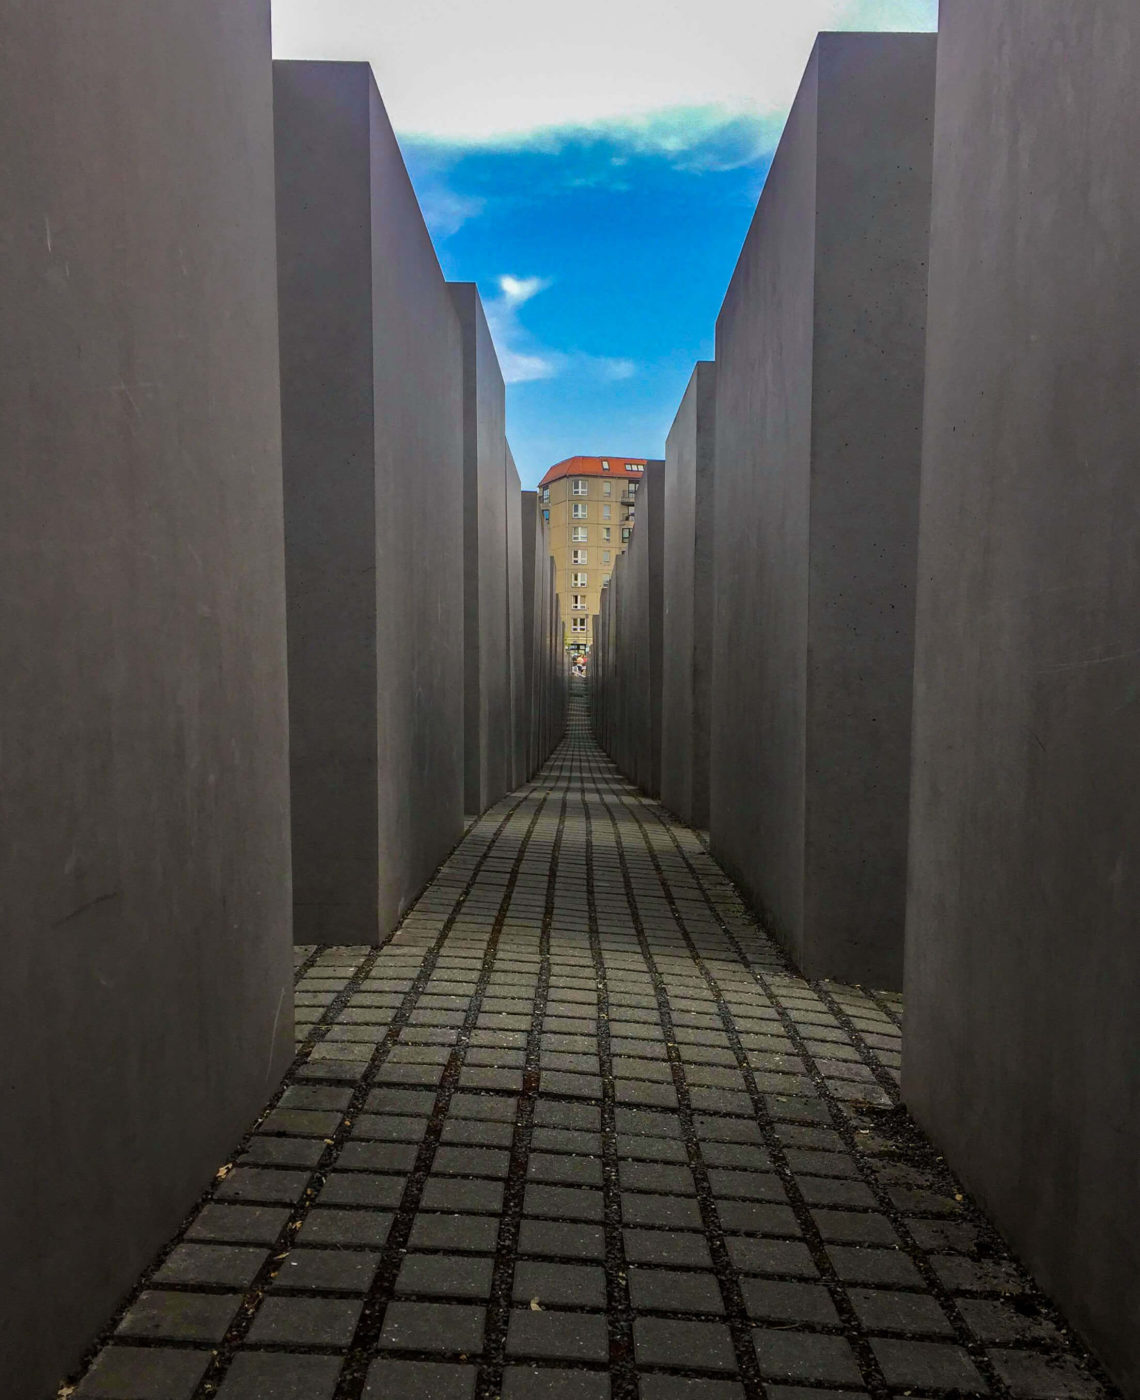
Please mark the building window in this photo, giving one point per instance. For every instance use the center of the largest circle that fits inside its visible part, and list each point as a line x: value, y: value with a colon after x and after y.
x: 545, y: 495
x: 606, y: 533
x: 605, y: 580
x: 606, y: 512
x: 578, y: 534
x: 578, y: 602
x: 632, y: 488
x: 605, y: 488
x: 625, y: 532
x: 634, y: 467
x: 605, y: 465
x: 581, y: 488
x: 578, y: 510
x: 546, y: 516
x: 579, y: 557
x: 605, y: 556
x: 578, y: 581
x: 577, y: 624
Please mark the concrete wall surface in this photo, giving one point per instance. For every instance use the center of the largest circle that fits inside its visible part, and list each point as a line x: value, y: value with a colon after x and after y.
x: 1023, y: 962
x: 687, y: 600
x: 144, y: 869
x: 516, y: 643
x: 818, y: 429
x: 626, y: 662
x: 372, y: 437
x: 487, y: 701
x: 542, y: 641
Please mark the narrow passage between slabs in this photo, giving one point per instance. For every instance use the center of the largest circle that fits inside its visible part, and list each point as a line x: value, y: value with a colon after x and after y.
x: 578, y: 1131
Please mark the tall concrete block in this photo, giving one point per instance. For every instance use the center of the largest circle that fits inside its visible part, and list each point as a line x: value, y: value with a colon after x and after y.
x: 687, y: 601
x: 516, y: 645
x: 1023, y: 961
x: 651, y: 520
x: 818, y: 423
x: 544, y: 720
x: 372, y: 433
x: 487, y: 708
x: 144, y: 867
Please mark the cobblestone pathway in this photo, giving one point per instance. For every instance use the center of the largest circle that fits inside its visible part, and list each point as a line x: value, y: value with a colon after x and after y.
x: 576, y: 1131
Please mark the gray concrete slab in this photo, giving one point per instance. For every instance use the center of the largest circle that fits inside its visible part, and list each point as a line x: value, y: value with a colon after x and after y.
x: 819, y: 412
x: 371, y: 412
x: 687, y: 600
x: 1022, y: 951
x: 487, y: 708
x: 628, y: 664
x: 144, y: 867
x: 542, y: 658
x: 516, y: 645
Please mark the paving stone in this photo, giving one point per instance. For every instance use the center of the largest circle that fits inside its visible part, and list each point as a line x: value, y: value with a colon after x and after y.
x: 805, y: 1356
x: 345, y: 1227
x: 994, y: 1321
x: 558, y: 1336
x: 438, y: 1327
x: 578, y: 1240
x: 419, y: 1380
x: 478, y: 1196
x: 669, y: 1212
x: 317, y: 1322
x: 688, y: 1388
x: 548, y: 1383
x: 283, y: 1152
x: 472, y: 1233
x: 667, y: 1247
x: 332, y: 1270
x: 933, y: 1365
x: 667, y: 1290
x: 698, y: 1346
x: 916, y: 1314
x: 223, y: 1266
x: 852, y: 1227
x: 855, y: 1265
x: 239, y: 1224
x: 768, y: 1300
x: 1033, y: 1375
x: 162, y: 1315
x: 775, y: 1258
x: 361, y: 1189
x: 256, y: 1375
x: 571, y: 1171
x: 445, y: 1275
x: 136, y: 1373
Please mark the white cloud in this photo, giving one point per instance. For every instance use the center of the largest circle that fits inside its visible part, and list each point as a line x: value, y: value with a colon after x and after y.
x: 474, y: 72
x: 521, y: 359
x: 516, y: 290
x: 444, y: 211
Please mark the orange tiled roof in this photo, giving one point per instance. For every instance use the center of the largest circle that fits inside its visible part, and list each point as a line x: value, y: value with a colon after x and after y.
x: 592, y: 466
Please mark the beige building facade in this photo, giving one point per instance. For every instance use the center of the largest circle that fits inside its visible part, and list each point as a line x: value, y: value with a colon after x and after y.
x: 589, y: 505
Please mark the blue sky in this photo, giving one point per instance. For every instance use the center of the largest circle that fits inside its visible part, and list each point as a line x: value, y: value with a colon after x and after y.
x: 596, y: 188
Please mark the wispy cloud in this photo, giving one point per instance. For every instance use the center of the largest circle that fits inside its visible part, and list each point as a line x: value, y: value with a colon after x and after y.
x: 508, y: 73
x: 521, y: 358
x: 445, y: 211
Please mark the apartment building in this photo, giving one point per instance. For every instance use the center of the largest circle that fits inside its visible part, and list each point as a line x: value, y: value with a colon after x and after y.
x: 589, y: 504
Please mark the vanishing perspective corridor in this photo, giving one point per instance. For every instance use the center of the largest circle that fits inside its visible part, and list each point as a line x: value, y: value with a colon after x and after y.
x: 577, y: 1131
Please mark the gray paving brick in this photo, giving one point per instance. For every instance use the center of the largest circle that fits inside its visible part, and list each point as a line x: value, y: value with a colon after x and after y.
x: 698, y: 1346
x: 162, y: 1315
x: 558, y: 1336
x: 256, y: 1375
x: 153, y: 1373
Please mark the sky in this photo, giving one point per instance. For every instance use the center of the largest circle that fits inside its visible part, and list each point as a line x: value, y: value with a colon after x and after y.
x: 593, y: 166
